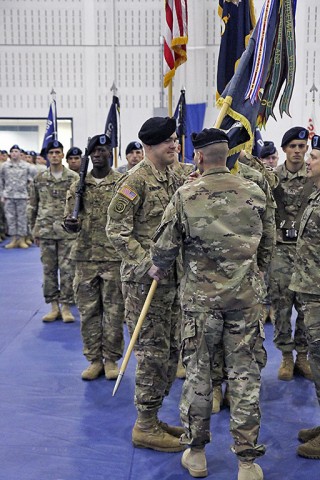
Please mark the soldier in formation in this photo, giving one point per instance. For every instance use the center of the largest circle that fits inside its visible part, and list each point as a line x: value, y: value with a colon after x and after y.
x: 97, y: 284
x: 45, y: 210
x: 306, y: 283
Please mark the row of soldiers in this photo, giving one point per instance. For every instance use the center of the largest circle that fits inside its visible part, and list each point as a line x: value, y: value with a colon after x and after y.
x: 216, y: 237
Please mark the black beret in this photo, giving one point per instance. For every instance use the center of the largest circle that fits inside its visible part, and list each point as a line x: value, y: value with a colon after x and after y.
x: 268, y: 149
x: 295, y: 133
x: 157, y: 130
x: 4, y: 152
x: 15, y: 147
x: 133, y: 146
x: 315, y: 142
x: 209, y: 136
x: 98, y: 141
x: 73, y: 151
x: 54, y: 144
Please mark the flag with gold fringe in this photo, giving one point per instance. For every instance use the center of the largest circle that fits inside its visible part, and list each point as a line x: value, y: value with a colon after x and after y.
x: 176, y: 37
x: 255, y: 87
x: 237, y: 23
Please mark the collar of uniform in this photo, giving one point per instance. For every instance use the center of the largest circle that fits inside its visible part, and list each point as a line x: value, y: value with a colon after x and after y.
x: 160, y: 176
x: 108, y: 179
x: 287, y: 174
x: 315, y: 195
x: 215, y: 170
x: 64, y: 172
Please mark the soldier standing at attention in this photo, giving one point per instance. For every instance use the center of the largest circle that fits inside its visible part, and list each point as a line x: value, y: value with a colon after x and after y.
x: 46, y: 208
x: 15, y: 176
x: 134, y: 155
x: 133, y: 217
x: 306, y: 282
x: 97, y: 284
x: 217, y: 221
x: 291, y: 196
x: 73, y: 158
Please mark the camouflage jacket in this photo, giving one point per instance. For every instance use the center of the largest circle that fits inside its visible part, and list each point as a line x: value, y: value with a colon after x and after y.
x: 14, y: 179
x: 92, y: 244
x: 269, y: 230
x: 292, y: 197
x: 306, y: 276
x: 218, y: 222
x: 134, y: 215
x: 47, y: 203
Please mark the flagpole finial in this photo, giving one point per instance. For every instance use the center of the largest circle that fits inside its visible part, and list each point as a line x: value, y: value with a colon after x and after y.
x: 114, y: 88
x: 313, y: 90
x: 183, y: 89
x: 53, y: 93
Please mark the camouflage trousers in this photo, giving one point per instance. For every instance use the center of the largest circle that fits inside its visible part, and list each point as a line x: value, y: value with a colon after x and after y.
x: 16, y: 216
x: 3, y: 225
x: 58, y: 270
x: 97, y: 289
x: 283, y: 300
x: 311, y: 308
x: 202, y: 333
x: 157, y: 346
x: 219, y: 373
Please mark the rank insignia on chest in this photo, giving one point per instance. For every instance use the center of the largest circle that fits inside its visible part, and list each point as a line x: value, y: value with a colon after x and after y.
x: 128, y: 193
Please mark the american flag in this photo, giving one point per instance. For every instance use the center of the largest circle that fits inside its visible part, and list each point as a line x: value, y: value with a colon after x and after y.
x: 176, y: 37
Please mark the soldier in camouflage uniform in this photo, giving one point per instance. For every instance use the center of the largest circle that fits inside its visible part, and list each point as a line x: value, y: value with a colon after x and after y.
x: 15, y: 176
x: 244, y: 170
x: 3, y: 226
x: 133, y: 217
x: 306, y: 282
x: 46, y: 209
x: 291, y: 196
x: 218, y: 222
x: 97, y: 283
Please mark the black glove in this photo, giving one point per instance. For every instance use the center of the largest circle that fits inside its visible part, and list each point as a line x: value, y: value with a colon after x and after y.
x: 72, y: 225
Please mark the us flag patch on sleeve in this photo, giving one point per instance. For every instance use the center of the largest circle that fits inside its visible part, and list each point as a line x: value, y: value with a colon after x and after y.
x: 128, y: 192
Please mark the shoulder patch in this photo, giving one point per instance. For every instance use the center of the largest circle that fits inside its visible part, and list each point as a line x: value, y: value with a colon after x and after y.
x: 128, y: 192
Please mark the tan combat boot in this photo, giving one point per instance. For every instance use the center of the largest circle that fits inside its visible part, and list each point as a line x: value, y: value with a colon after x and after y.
x: 29, y: 240
x: 216, y: 399
x: 147, y: 433
x: 22, y: 243
x: 308, y: 434
x: 173, y: 430
x: 67, y: 316
x: 194, y: 460
x: 310, y: 449
x: 249, y: 471
x: 302, y: 366
x: 54, y: 314
x: 94, y: 370
x: 181, y: 371
x: 111, y: 370
x: 285, y: 371
x: 12, y: 244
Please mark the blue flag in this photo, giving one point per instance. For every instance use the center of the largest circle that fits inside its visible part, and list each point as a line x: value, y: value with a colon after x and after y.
x: 238, y: 21
x: 258, y: 143
x: 267, y: 63
x: 112, y: 128
x: 51, y: 132
x: 180, y: 115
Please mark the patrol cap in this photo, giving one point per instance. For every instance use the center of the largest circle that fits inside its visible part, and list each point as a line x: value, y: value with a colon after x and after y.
x: 73, y: 151
x: 54, y: 144
x: 315, y: 142
x: 209, y: 136
x: 98, y: 141
x: 15, y: 147
x: 268, y: 149
x: 133, y: 146
x: 157, y: 130
x: 295, y: 133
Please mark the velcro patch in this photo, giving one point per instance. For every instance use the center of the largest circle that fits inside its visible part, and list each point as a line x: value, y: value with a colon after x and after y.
x: 128, y: 192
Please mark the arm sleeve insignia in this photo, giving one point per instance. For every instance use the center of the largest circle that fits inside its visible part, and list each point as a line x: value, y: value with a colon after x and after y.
x: 128, y: 192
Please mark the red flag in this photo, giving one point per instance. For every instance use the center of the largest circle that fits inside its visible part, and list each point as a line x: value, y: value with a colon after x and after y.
x: 176, y: 37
